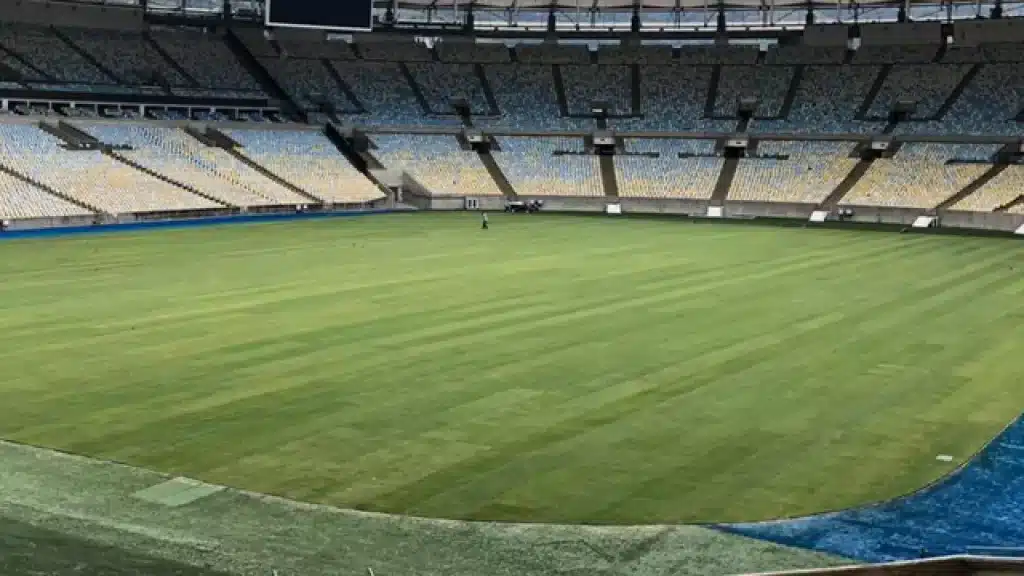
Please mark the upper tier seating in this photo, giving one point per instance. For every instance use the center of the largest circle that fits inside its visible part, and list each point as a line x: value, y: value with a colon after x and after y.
x: 309, y: 82
x: 307, y: 159
x: 768, y: 83
x: 441, y: 83
x: 178, y: 156
x: 61, y: 65
x: 90, y: 176
x: 128, y: 55
x: 919, y: 175
x: 438, y: 163
x: 786, y: 171
x: 827, y: 101
x: 987, y: 105
x: 385, y: 93
x: 527, y: 99
x: 585, y: 85
x: 533, y: 169
x: 19, y: 199
x: 668, y: 175
x: 209, y: 61
x: 673, y: 98
x: 927, y: 84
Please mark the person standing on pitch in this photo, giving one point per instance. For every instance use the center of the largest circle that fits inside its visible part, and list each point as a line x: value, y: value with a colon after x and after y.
x: 483, y: 221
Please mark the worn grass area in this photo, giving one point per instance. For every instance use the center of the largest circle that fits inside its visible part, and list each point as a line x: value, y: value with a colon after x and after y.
x: 549, y: 369
x: 63, y: 514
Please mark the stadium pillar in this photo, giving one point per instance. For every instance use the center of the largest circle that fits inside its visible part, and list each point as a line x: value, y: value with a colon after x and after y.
x: 809, y: 17
x: 634, y: 24
x: 720, y: 27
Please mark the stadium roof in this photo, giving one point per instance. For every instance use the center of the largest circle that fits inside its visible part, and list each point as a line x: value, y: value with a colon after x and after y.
x: 616, y: 14
x: 642, y: 4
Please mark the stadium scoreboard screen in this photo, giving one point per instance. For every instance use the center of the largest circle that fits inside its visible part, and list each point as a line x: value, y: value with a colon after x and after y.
x: 353, y: 15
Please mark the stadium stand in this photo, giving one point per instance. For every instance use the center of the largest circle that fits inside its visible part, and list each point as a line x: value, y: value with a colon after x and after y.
x: 441, y: 83
x: 827, y: 101
x: 438, y: 163
x: 179, y: 157
x: 532, y: 88
x: 920, y: 175
x: 128, y: 55
x: 792, y: 171
x: 767, y: 83
x: 537, y: 167
x: 308, y: 81
x: 388, y: 98
x: 61, y: 66
x: 207, y: 60
x: 527, y: 98
x: 90, y: 176
x: 926, y: 84
x: 307, y: 159
x: 19, y: 199
x: 1001, y: 190
x: 585, y: 85
x: 673, y: 98
x: 667, y: 175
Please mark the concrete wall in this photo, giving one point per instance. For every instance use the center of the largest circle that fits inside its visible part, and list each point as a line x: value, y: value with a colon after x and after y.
x: 981, y: 221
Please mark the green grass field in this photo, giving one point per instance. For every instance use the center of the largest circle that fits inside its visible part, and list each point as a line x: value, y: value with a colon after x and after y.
x: 549, y: 369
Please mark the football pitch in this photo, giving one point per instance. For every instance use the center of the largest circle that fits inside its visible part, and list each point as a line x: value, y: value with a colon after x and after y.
x: 562, y: 369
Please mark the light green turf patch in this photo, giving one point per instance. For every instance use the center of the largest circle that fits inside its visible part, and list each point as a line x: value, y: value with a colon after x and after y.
x: 551, y: 369
x: 252, y: 534
x: 177, y: 492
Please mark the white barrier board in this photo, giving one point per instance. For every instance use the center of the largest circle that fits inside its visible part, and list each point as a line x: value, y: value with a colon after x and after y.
x: 818, y: 216
x: 923, y: 222
x: 714, y: 211
x: 613, y: 209
x: 1019, y: 231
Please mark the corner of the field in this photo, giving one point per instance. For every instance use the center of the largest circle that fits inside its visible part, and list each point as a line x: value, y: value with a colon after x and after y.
x: 938, y: 519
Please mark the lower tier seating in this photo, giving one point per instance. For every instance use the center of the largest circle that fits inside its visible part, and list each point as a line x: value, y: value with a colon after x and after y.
x: 308, y: 160
x: 804, y: 172
x: 90, y: 176
x: 19, y: 199
x: 438, y: 163
x: 919, y: 175
x: 1001, y: 190
x: 537, y: 167
x: 667, y: 177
